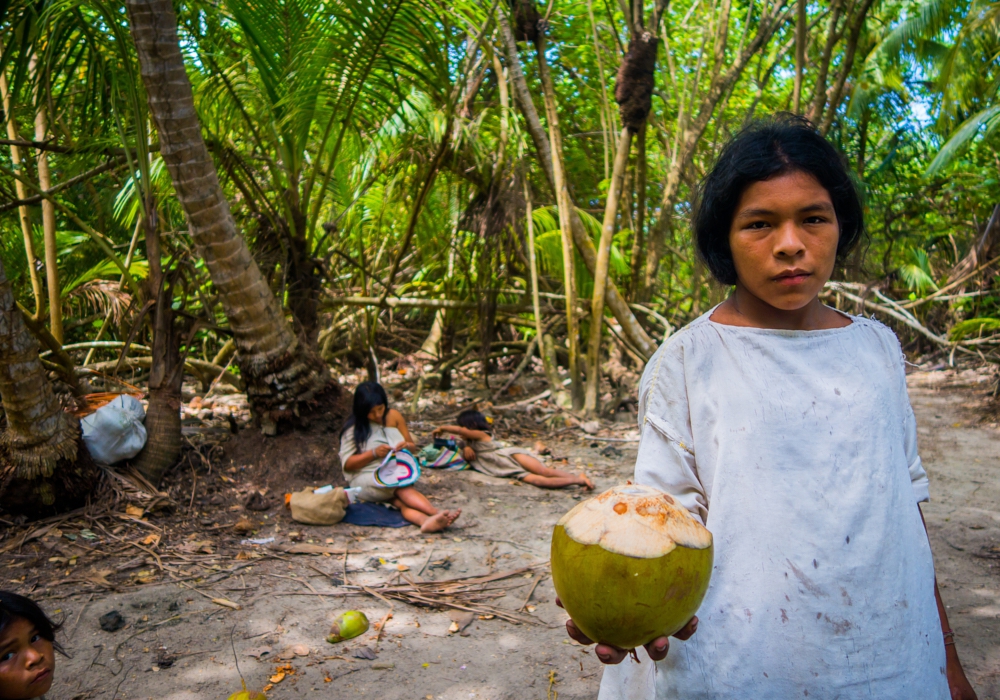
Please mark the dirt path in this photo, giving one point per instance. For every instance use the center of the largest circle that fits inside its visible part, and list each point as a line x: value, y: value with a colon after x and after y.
x: 962, y: 457
x: 176, y: 644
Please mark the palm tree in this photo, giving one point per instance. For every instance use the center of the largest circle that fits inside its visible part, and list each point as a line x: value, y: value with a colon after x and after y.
x: 282, y: 372
x: 960, y: 42
x: 298, y: 81
x: 42, y: 463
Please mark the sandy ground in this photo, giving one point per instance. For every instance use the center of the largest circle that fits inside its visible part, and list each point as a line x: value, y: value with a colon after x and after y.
x: 506, y: 527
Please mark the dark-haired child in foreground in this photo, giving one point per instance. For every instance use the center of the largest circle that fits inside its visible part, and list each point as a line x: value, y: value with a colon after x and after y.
x: 785, y: 427
x: 369, y: 434
x: 27, y: 648
x: 495, y: 458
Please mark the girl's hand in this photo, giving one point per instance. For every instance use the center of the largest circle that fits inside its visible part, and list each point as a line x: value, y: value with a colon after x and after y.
x: 657, y: 649
x: 468, y: 454
x: 381, y: 451
x: 404, y: 445
x: 437, y: 431
x: 959, y: 685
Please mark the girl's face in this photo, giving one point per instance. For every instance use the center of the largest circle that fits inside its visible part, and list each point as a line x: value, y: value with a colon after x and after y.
x: 377, y: 413
x: 27, y: 662
x: 784, y: 239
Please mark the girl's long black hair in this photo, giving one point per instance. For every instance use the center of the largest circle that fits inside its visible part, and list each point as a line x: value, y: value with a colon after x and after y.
x: 367, y: 396
x: 15, y: 607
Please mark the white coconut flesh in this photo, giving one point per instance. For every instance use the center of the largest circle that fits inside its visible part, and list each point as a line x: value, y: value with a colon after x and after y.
x: 635, y: 521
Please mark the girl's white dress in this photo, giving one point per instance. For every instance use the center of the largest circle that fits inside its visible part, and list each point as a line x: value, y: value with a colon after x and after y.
x: 798, y: 450
x: 364, y: 478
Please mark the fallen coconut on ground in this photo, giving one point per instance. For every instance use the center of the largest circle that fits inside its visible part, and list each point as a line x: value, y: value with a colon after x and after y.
x: 348, y: 625
x: 630, y: 565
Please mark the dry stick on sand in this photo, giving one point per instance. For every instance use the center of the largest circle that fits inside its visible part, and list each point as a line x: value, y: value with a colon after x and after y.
x: 530, y: 591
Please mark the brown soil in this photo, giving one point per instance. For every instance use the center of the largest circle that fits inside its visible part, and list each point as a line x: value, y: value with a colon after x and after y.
x: 296, y: 458
x: 167, y: 571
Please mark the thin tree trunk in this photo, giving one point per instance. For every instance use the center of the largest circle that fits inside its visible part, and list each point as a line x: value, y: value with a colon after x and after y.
x: 23, y: 214
x: 601, y: 273
x: 614, y: 300
x: 39, y: 468
x: 48, y: 223
x: 800, y: 54
x: 281, y: 372
x: 565, y: 206
x: 846, y: 64
x: 819, y: 89
x: 547, y: 364
x: 639, y: 235
x: 691, y: 134
x: 166, y: 375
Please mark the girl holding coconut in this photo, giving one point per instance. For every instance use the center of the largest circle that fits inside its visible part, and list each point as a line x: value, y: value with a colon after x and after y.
x: 784, y: 426
x: 370, y: 433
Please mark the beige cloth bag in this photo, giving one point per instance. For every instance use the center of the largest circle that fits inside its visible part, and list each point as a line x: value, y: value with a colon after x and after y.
x: 319, y: 508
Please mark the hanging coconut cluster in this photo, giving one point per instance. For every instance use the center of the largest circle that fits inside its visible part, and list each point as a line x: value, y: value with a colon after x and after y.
x: 630, y: 565
x: 525, y: 16
x: 634, y: 84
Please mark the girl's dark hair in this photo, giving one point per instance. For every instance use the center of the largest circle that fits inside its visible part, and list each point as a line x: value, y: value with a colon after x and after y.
x: 367, y: 396
x: 471, y: 419
x: 764, y: 149
x: 15, y: 607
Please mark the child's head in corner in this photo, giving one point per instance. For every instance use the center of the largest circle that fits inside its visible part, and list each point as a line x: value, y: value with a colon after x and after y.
x: 471, y: 419
x: 27, y: 648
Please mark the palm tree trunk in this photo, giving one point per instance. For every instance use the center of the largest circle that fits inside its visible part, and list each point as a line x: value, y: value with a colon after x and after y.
x: 22, y: 193
x: 42, y: 464
x: 281, y: 372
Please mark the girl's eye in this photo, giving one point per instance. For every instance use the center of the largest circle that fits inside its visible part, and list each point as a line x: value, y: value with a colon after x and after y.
x: 6, y: 657
x: 35, y: 637
x: 816, y: 220
x: 756, y: 225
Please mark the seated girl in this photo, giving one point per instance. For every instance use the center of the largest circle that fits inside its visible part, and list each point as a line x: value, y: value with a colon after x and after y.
x: 27, y: 648
x: 494, y: 458
x: 369, y: 434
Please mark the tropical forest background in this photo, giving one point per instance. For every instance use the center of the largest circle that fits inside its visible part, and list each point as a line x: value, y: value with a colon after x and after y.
x: 272, y: 194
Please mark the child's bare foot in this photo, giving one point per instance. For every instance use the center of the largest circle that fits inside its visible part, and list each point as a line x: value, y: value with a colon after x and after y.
x: 586, y: 483
x: 436, y: 523
x: 453, y: 515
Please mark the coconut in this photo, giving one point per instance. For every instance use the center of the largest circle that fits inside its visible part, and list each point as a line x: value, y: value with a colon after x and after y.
x: 630, y: 565
x: 348, y: 625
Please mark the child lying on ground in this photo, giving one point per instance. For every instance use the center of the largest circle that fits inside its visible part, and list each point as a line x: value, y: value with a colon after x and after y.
x: 492, y: 457
x: 27, y: 648
x: 369, y: 434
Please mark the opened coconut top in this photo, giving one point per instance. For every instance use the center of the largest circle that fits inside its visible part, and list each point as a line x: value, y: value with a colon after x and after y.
x: 635, y: 521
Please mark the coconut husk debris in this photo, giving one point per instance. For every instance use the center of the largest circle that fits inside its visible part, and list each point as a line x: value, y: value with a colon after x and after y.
x: 635, y: 81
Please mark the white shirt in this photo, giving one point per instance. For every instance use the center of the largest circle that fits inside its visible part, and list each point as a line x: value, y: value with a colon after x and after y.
x: 798, y: 451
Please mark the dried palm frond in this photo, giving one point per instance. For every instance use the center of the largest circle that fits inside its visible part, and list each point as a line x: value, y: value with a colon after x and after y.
x: 128, y: 487
x: 98, y: 296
